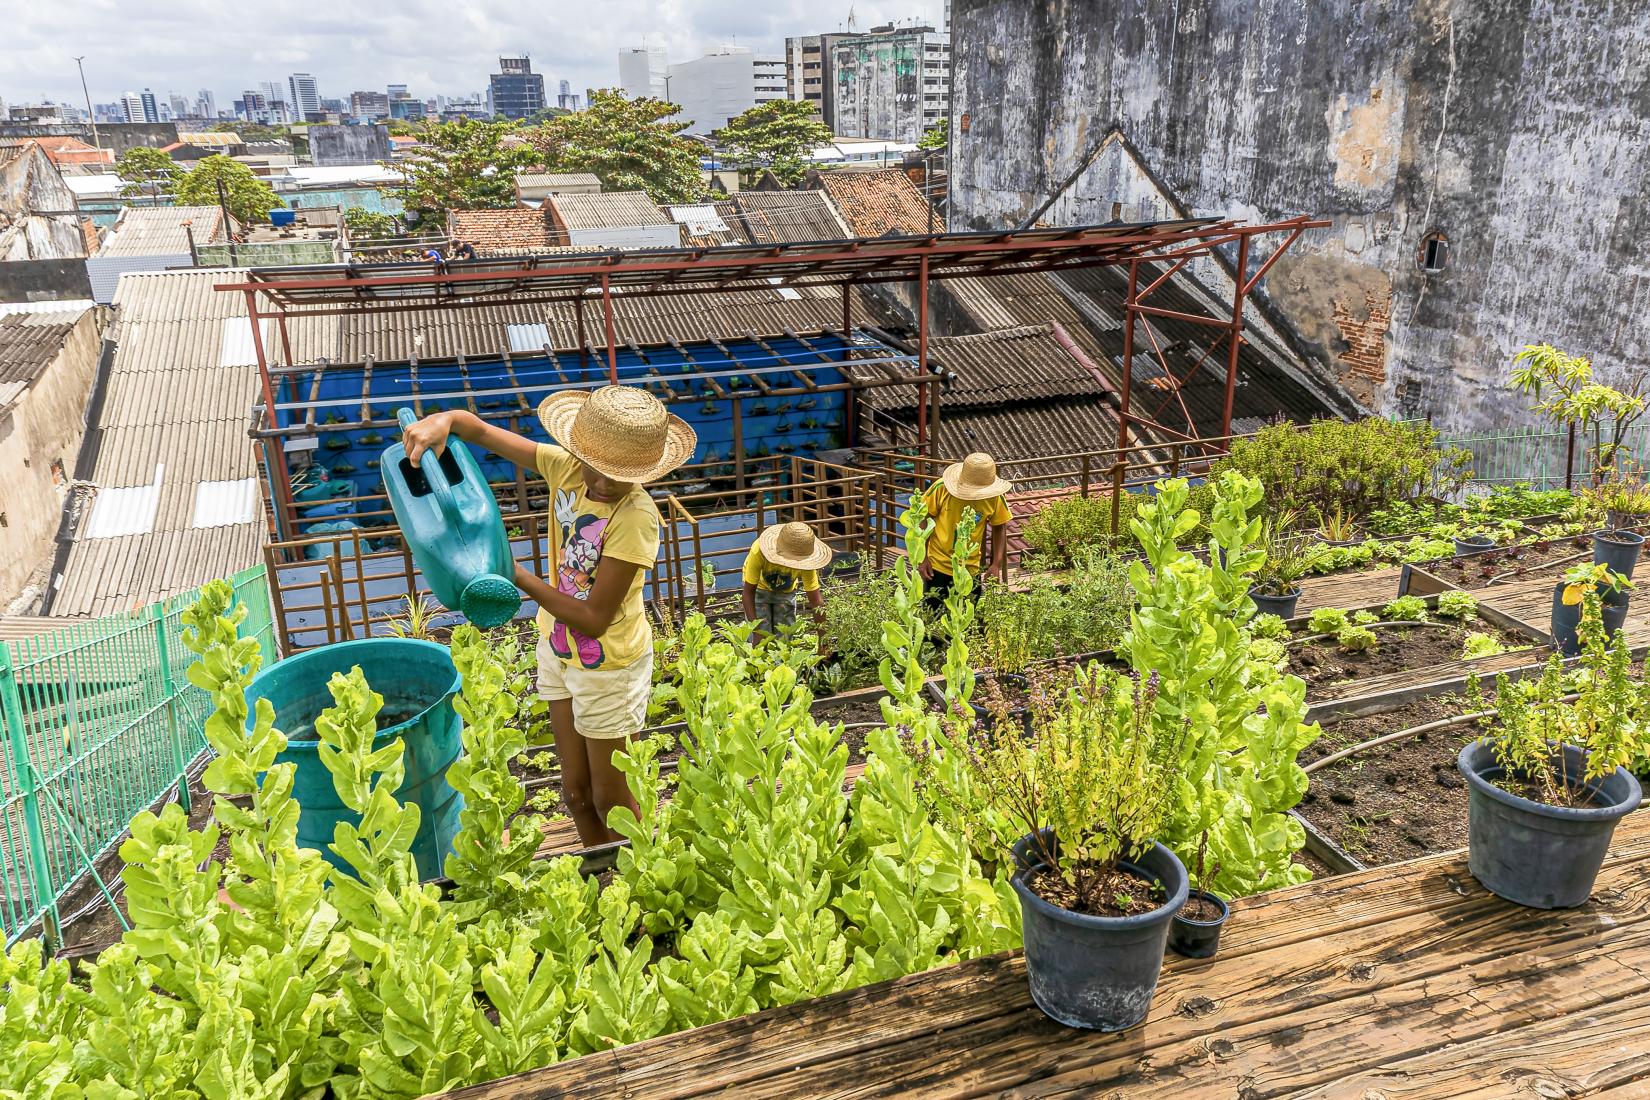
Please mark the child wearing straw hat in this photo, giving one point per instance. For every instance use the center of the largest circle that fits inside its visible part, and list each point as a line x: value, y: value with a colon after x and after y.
x: 595, y: 650
x: 971, y: 483
x: 784, y: 559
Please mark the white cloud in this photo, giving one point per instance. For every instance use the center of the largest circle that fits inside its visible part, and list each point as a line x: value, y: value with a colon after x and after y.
x: 433, y: 46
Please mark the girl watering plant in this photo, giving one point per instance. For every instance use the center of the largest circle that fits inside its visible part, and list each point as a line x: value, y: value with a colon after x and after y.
x: 595, y: 650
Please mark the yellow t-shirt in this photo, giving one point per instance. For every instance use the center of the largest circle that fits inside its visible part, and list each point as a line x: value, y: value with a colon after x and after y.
x: 777, y: 578
x: 946, y: 511
x: 582, y: 533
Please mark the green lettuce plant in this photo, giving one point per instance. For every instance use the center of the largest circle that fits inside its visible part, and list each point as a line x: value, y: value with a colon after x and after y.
x: 1405, y: 609
x: 1456, y: 605
x: 1327, y: 620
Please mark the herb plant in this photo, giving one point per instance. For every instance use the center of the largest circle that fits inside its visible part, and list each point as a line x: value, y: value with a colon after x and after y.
x: 1606, y: 720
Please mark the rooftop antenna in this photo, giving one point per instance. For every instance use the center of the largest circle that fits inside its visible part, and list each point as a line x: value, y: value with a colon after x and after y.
x: 850, y: 27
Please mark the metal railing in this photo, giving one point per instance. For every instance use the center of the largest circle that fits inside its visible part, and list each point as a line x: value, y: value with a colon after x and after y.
x: 100, y: 722
x: 1542, y: 456
x: 330, y: 587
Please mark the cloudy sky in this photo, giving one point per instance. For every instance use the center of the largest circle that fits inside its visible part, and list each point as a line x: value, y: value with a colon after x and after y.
x: 433, y: 46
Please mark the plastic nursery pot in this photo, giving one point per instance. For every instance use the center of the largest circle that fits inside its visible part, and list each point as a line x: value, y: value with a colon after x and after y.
x: 983, y: 717
x: 1546, y: 857
x: 1097, y: 972
x: 1618, y: 549
x: 1473, y: 544
x: 1198, y: 939
x: 1281, y: 606
x: 1566, y: 619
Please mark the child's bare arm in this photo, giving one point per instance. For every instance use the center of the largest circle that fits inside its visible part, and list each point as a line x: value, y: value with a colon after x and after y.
x: 590, y: 617
x: 430, y: 434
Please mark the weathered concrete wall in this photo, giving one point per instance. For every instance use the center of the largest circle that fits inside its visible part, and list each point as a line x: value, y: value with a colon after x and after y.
x: 39, y: 438
x: 329, y: 145
x: 44, y: 281
x: 877, y: 90
x: 1519, y: 130
x: 118, y: 136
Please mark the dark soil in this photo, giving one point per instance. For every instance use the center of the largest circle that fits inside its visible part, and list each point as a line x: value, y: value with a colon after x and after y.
x: 1199, y: 909
x: 1514, y: 563
x: 1323, y: 664
x: 1579, y: 797
x: 1118, y: 893
x: 1398, y: 801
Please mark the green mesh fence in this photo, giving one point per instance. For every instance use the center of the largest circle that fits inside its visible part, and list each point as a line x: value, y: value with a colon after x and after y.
x: 100, y: 720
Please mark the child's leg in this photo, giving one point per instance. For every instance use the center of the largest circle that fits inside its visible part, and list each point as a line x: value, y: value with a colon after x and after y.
x: 576, y: 788
x: 609, y: 707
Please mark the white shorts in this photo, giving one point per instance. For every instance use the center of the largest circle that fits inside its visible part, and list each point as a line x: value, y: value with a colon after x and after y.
x: 608, y: 703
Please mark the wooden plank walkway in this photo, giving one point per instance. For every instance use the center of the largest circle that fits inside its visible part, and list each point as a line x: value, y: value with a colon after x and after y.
x: 1370, y: 587
x: 1402, y: 981
x: 1531, y: 602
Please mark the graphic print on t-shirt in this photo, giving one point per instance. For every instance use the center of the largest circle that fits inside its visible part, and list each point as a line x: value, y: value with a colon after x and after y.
x: 581, y: 552
x: 779, y: 580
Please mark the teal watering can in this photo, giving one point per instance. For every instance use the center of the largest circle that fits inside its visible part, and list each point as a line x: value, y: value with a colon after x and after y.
x: 452, y: 526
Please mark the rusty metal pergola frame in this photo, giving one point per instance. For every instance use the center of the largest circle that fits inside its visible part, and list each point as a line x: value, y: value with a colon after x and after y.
x: 281, y: 293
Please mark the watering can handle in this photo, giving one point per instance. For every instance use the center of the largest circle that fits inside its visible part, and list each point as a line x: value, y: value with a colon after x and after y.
x: 433, y: 473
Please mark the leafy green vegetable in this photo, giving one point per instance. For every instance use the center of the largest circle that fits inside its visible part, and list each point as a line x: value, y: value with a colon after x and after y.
x: 1456, y: 605
x: 1355, y: 639
x: 1327, y: 620
x: 1412, y: 609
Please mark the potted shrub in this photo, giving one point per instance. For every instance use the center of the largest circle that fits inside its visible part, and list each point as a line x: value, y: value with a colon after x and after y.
x: 1091, y: 788
x: 1195, y: 930
x: 1626, y: 502
x: 1338, y: 528
x: 1277, y: 590
x: 1546, y: 785
x: 1569, y: 597
x: 1473, y: 538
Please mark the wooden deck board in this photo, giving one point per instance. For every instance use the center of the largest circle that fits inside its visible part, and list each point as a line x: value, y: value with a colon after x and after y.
x: 1374, y: 977
x: 1372, y: 586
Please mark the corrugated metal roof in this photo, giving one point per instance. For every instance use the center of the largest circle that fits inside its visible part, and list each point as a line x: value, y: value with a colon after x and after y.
x: 783, y: 217
x: 1049, y: 428
x: 159, y: 230
x: 876, y: 204
x: 29, y: 342
x: 557, y: 179
x: 172, y: 405
x: 609, y: 210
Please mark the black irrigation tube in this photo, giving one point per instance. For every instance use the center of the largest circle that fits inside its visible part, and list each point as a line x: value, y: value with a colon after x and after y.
x: 1400, y: 735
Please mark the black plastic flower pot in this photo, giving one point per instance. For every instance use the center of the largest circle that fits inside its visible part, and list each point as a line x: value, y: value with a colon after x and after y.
x: 1097, y: 972
x: 1473, y: 544
x: 1617, y: 549
x: 1546, y: 857
x: 1281, y: 606
x: 983, y: 717
x: 1198, y: 939
x: 1566, y: 619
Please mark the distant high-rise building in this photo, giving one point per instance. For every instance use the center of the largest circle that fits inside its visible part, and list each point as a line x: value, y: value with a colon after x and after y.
x: 179, y: 105
x: 254, y: 107
x: 515, y: 91
x: 205, y: 104
x: 722, y: 85
x: 643, y: 71
x: 407, y: 107
x: 151, y: 107
x: 890, y: 83
x: 305, y: 97
x: 396, y: 91
x: 808, y: 72
x: 131, y: 106
x: 566, y: 98
x: 369, y: 104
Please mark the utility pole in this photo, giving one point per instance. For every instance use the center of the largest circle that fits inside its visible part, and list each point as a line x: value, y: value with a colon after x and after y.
x: 91, y: 114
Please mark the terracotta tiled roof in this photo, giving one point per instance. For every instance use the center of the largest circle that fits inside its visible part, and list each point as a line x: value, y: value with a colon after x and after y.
x: 876, y: 204
x: 511, y: 231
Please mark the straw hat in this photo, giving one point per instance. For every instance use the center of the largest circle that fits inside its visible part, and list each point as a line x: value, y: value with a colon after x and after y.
x: 623, y: 432
x: 975, y: 478
x: 794, y: 546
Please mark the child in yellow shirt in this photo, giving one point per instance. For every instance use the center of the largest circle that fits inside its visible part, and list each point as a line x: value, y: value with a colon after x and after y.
x: 595, y: 650
x: 784, y: 559
x: 971, y: 483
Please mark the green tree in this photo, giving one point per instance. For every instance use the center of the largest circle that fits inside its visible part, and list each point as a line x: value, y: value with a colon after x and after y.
x: 775, y: 135
x: 1567, y: 391
x: 146, y: 172
x: 628, y: 145
x: 370, y: 225
x: 936, y: 136
x: 464, y: 165
x: 249, y: 198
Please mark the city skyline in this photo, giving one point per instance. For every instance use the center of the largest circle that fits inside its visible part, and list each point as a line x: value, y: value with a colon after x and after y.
x: 369, y: 46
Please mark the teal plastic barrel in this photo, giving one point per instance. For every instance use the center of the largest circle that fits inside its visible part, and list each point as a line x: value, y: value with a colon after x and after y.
x: 418, y: 681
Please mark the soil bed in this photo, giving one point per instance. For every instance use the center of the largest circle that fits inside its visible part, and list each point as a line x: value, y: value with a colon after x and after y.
x: 1512, y: 563
x: 1397, y: 801
x: 1322, y: 664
